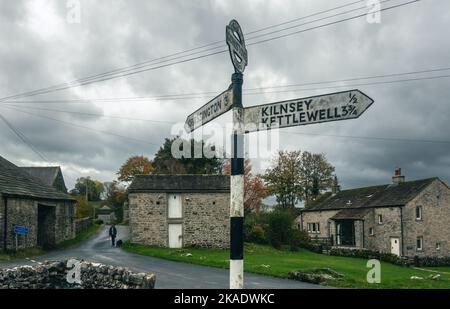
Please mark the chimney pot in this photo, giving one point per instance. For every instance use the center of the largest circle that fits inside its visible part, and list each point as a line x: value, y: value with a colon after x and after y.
x: 398, y: 178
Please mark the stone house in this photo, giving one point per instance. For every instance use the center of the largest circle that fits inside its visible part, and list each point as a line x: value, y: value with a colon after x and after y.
x: 180, y: 210
x: 51, y: 176
x: 106, y: 214
x: 406, y: 218
x: 25, y: 201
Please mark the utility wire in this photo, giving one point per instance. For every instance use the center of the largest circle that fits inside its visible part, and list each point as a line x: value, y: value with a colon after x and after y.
x: 146, y: 63
x: 208, y: 94
x: 23, y: 138
x: 390, y: 139
x: 38, y: 92
x: 82, y: 127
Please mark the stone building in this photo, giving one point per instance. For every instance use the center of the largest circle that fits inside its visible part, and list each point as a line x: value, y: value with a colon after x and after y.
x: 25, y: 201
x: 180, y: 210
x: 406, y: 218
x: 106, y: 214
x: 51, y: 176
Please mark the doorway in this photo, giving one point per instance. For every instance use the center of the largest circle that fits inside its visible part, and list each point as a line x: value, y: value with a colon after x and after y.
x: 46, y: 226
x: 175, y: 235
x: 395, y: 246
x: 345, y: 233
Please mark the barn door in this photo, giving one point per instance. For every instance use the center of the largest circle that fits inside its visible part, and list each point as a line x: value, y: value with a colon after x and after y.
x: 175, y: 235
x: 175, y: 209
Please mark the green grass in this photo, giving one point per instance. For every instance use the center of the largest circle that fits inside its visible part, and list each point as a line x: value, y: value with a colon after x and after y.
x: 27, y: 253
x: 83, y: 236
x: 32, y: 252
x: 269, y: 261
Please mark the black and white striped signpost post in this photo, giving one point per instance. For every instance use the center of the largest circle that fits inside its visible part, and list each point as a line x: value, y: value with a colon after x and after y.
x: 302, y: 111
x: 231, y: 99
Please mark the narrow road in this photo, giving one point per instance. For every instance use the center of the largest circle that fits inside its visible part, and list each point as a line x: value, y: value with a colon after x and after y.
x: 169, y: 274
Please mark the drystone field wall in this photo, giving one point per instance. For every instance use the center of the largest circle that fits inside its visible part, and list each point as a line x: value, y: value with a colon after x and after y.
x: 59, y: 275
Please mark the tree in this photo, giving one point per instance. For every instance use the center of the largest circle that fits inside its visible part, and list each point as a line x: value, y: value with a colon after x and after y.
x: 166, y: 163
x: 283, y: 179
x: 83, y: 209
x: 95, y: 188
x: 316, y: 175
x: 137, y: 165
x: 254, y: 188
x: 296, y: 176
x: 116, y: 196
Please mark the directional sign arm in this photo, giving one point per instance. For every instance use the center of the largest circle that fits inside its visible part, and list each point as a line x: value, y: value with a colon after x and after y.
x: 304, y: 111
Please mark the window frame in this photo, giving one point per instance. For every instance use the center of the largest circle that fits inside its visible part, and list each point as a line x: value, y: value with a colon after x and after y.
x: 419, y: 239
x: 371, y: 231
x: 380, y: 219
x: 420, y: 218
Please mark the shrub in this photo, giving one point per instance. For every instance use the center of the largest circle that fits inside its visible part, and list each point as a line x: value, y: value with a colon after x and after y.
x: 298, y: 239
x: 257, y: 234
x: 279, y: 229
x: 367, y: 254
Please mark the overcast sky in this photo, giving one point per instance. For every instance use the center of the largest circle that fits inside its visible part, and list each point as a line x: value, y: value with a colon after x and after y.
x: 40, y: 48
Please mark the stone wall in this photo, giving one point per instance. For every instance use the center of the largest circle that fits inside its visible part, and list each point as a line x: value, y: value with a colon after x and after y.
x: 148, y: 219
x: 82, y: 225
x: 205, y: 219
x: 327, y: 226
x: 53, y: 275
x: 24, y: 212
x: 391, y: 227
x: 434, y: 227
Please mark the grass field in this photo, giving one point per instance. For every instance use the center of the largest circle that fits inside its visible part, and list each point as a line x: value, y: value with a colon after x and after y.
x: 268, y: 261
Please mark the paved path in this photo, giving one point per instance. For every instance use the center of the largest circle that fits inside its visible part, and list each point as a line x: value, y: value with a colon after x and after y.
x: 169, y: 274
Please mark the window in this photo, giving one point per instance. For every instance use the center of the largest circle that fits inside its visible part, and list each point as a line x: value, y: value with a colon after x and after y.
x: 438, y: 246
x: 314, y: 228
x: 380, y: 219
x: 371, y: 231
x: 419, y: 213
x: 419, y: 243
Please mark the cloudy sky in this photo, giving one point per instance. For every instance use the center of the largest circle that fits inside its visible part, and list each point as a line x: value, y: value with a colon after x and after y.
x: 43, y: 45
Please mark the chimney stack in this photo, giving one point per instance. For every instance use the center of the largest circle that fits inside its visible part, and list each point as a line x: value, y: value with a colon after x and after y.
x: 335, y: 187
x: 398, y: 178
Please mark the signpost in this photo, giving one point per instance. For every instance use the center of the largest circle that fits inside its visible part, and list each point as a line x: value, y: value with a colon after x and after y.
x: 323, y: 108
x: 211, y: 110
x: 20, y: 230
x: 331, y: 107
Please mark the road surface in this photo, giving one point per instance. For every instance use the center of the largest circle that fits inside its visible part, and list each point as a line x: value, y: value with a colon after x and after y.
x: 169, y: 274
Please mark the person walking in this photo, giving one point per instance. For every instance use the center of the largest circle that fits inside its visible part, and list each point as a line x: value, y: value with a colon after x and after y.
x: 113, y: 234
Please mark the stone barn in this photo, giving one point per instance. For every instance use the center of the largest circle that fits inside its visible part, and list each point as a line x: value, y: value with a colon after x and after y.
x: 25, y: 201
x: 49, y: 175
x: 180, y: 210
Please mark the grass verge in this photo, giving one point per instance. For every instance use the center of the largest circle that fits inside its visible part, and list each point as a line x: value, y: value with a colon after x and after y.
x: 32, y: 252
x: 269, y: 261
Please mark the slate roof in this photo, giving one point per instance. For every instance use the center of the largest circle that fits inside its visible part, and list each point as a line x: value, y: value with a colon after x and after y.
x: 15, y: 181
x: 180, y: 183
x: 369, y: 197
x: 351, y: 214
x: 46, y: 174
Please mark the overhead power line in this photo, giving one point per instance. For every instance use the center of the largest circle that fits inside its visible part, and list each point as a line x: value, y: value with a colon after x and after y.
x: 251, y: 91
x: 83, y: 127
x: 50, y: 89
x: 23, y: 138
x: 158, y: 60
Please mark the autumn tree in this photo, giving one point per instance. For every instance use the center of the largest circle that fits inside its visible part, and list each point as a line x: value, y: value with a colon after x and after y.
x: 296, y: 176
x: 316, y: 175
x: 115, y: 198
x: 283, y: 178
x: 254, y: 188
x: 138, y: 165
x: 83, y: 209
x: 95, y: 188
x: 166, y: 163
